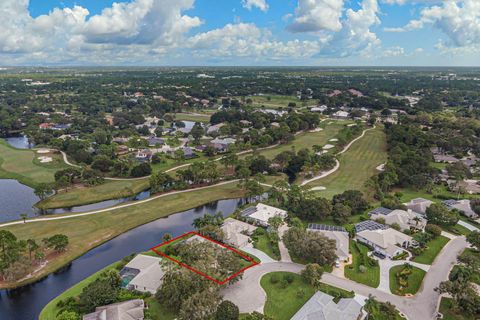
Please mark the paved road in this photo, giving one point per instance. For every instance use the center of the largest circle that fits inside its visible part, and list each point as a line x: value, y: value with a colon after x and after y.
x: 264, y: 258
x: 387, y: 264
x: 249, y: 295
x: 337, y: 164
x: 284, y: 254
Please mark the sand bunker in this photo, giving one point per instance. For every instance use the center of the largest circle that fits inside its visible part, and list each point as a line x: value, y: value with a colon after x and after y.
x: 45, y: 159
x: 328, y: 146
x: 316, y: 130
x: 318, y: 188
x: 351, y: 125
x: 333, y: 140
x: 43, y: 151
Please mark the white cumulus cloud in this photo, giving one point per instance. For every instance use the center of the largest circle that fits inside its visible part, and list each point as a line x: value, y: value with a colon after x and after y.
x: 317, y: 15
x: 260, y: 4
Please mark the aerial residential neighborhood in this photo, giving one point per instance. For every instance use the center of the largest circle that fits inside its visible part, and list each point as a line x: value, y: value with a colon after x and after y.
x: 240, y: 160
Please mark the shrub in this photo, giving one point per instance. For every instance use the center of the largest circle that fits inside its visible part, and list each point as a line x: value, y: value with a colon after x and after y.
x: 274, y: 279
x: 362, y: 268
x: 288, y: 277
x: 433, y: 229
x: 301, y: 293
x: 284, y: 284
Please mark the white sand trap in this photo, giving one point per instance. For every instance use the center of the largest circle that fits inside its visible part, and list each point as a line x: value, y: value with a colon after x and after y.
x: 316, y: 130
x: 381, y: 167
x: 43, y: 151
x: 318, y: 188
x: 328, y: 146
x: 331, y: 122
x: 45, y: 159
x: 333, y: 140
x: 351, y: 125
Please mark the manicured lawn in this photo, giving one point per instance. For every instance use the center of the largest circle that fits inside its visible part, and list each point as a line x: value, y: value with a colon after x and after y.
x: 371, y: 276
x: 414, y: 281
x: 273, y: 101
x: 446, y: 308
x: 158, y: 311
x: 87, y: 232
x: 264, y: 244
x: 459, y: 230
x: 357, y: 165
x: 434, y: 247
x: 50, y: 311
x: 283, y: 303
x: 86, y: 195
x: 307, y: 139
x: 23, y: 165
x: 192, y: 117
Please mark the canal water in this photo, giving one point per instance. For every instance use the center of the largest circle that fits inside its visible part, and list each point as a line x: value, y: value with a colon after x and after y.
x: 27, y: 302
x: 17, y: 199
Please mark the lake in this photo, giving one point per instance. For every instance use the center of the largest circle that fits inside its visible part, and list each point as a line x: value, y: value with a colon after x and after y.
x: 27, y: 302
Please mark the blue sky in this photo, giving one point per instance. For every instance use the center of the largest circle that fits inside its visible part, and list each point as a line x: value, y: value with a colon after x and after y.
x: 240, y: 32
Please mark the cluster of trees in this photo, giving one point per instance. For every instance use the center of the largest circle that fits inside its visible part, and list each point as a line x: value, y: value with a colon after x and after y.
x: 440, y: 215
x: 304, y: 161
x: 465, y: 298
x: 305, y: 205
x: 18, y: 257
x: 191, y: 295
x: 310, y: 246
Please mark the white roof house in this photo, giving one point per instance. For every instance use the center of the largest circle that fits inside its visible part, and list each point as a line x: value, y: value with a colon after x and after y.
x: 341, y: 114
x: 339, y: 234
x: 463, y: 206
x: 262, y: 212
x: 405, y: 219
x: 127, y: 310
x: 145, y: 272
x: 419, y: 205
x: 215, y: 128
x: 236, y: 232
x: 388, y: 242
x: 321, y: 108
x: 322, y: 307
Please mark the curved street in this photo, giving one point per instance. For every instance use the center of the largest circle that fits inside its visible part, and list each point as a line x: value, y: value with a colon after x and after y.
x: 249, y: 295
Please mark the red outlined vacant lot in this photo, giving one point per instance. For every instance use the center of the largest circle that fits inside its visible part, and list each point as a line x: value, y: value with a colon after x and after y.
x: 156, y: 249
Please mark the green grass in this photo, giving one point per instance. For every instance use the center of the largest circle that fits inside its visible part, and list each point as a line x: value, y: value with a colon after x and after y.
x: 434, y: 247
x: 275, y: 101
x: 458, y: 230
x: 86, y: 195
x: 159, y: 312
x: 51, y: 310
x: 449, y: 313
x: 263, y: 243
x: 205, y: 118
x: 23, y: 165
x: 87, y: 232
x: 283, y: 303
x: 476, y: 254
x: 306, y: 140
x: 357, y: 165
x: 371, y: 277
x: 414, y: 281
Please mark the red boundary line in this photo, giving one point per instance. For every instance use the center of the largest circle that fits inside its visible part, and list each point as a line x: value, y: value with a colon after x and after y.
x: 154, y: 249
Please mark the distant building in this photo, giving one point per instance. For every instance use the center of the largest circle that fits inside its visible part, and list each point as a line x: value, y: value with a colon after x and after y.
x: 126, y: 310
x: 405, y: 219
x: 154, y: 141
x: 143, y: 273
x: 339, y: 234
x: 419, y: 205
x: 369, y: 225
x: 215, y: 128
x: 143, y: 155
x: 322, y: 108
x: 221, y: 145
x: 260, y: 214
x: 340, y: 114
x: 461, y: 205
x: 322, y: 306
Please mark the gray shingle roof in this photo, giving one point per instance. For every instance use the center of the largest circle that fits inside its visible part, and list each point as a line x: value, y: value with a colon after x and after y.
x: 369, y: 225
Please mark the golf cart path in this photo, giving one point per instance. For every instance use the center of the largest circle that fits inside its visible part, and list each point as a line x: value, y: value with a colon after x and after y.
x: 337, y: 163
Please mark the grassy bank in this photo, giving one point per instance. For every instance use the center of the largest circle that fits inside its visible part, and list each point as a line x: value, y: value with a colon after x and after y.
x: 357, y: 165
x: 283, y: 302
x: 23, y: 165
x: 86, y: 195
x: 370, y: 275
x: 90, y: 231
x: 434, y: 247
x: 50, y: 311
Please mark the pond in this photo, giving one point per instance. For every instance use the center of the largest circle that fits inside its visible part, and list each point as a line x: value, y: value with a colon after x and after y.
x: 27, y: 302
x: 19, y: 142
x: 17, y: 199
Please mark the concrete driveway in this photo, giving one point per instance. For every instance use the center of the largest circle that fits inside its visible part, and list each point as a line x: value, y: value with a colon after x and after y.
x: 387, y: 264
x: 249, y: 296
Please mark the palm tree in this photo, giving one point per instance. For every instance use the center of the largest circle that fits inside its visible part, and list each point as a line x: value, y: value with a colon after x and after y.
x: 24, y: 217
